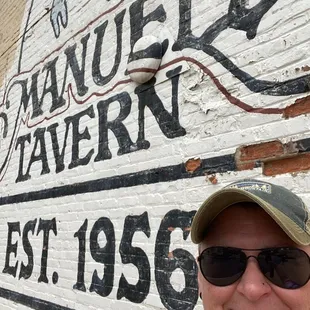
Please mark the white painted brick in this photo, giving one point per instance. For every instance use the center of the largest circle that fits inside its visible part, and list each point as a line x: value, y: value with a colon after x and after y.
x: 214, y: 127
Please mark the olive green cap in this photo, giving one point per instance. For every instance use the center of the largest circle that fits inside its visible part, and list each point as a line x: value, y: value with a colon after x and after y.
x: 285, y: 207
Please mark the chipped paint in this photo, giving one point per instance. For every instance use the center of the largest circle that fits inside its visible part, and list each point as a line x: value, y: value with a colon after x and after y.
x: 192, y: 165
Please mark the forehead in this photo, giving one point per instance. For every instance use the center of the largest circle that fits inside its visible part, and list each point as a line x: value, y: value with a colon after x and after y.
x: 246, y: 225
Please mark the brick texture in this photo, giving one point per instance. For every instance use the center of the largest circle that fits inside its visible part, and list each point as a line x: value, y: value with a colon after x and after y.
x: 287, y: 165
x: 246, y: 156
x: 100, y: 176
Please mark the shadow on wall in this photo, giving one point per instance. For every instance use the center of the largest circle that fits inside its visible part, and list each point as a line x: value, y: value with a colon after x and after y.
x: 11, y: 16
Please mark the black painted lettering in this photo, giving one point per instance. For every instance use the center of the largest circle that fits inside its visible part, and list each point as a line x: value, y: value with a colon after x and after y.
x: 116, y: 126
x: 59, y: 156
x: 39, y: 136
x: 81, y: 235
x: 242, y: 18
x: 26, y: 270
x: 13, y: 136
x: 11, y: 248
x: 77, y: 137
x: 105, y: 255
x: 51, y: 77
x: 136, y: 256
x: 46, y: 226
x: 21, y: 141
x: 33, y: 94
x: 100, y: 31
x: 77, y: 71
x: 168, y: 122
x: 166, y: 262
x: 138, y: 21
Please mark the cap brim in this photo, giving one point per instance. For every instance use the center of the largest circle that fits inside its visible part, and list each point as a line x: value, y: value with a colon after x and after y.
x: 224, y: 198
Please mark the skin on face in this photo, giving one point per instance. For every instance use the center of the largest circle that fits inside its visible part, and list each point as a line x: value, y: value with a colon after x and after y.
x: 250, y: 227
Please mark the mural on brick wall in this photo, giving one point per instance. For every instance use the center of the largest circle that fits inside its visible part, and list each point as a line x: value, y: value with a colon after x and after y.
x: 74, y: 118
x: 32, y: 110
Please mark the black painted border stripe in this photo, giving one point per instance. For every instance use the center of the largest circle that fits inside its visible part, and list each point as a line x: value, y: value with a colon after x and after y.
x: 165, y: 174
x: 212, y: 165
x: 31, y: 302
x: 220, y: 164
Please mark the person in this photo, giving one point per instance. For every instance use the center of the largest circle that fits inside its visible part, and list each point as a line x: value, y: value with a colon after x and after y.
x: 254, y: 244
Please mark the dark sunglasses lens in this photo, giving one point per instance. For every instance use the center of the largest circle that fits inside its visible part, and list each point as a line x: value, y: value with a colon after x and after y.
x: 285, y: 267
x: 222, y: 266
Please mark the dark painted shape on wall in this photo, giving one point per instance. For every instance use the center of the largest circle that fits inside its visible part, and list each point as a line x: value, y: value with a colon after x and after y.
x: 59, y: 16
x: 167, y: 262
x: 11, y: 248
x: 213, y: 165
x: 46, y: 226
x: 26, y: 270
x: 104, y: 255
x: 81, y: 235
x: 138, y: 292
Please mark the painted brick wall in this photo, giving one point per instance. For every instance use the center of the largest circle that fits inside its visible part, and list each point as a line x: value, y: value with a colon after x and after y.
x: 101, y: 175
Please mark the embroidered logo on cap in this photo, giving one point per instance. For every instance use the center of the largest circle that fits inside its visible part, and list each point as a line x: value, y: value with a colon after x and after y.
x: 252, y: 186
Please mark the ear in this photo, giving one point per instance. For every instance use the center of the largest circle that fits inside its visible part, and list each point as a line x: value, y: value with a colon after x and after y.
x: 200, y: 280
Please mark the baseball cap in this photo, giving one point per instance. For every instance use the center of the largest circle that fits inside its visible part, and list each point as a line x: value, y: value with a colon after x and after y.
x: 285, y: 207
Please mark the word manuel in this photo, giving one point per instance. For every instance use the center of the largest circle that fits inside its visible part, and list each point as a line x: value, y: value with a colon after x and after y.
x: 168, y: 123
x: 56, y: 74
x: 166, y: 262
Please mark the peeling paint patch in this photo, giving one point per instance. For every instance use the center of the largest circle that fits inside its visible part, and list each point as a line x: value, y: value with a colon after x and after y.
x: 305, y: 68
x: 213, y: 179
x: 192, y: 165
x: 301, y: 106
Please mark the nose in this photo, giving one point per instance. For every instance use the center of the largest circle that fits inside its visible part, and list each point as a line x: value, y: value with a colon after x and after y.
x: 253, y: 285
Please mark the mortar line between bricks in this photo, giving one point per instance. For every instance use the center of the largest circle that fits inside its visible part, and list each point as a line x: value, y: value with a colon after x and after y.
x: 31, y: 302
x: 208, y: 166
x: 213, y: 165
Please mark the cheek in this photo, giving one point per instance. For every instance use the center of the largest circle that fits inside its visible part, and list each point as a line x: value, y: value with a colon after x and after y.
x: 295, y: 299
x: 213, y: 296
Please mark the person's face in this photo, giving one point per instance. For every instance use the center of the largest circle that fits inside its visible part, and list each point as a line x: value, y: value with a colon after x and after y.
x: 250, y: 228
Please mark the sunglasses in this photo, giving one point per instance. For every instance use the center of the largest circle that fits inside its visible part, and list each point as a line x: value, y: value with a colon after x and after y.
x: 287, y: 267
